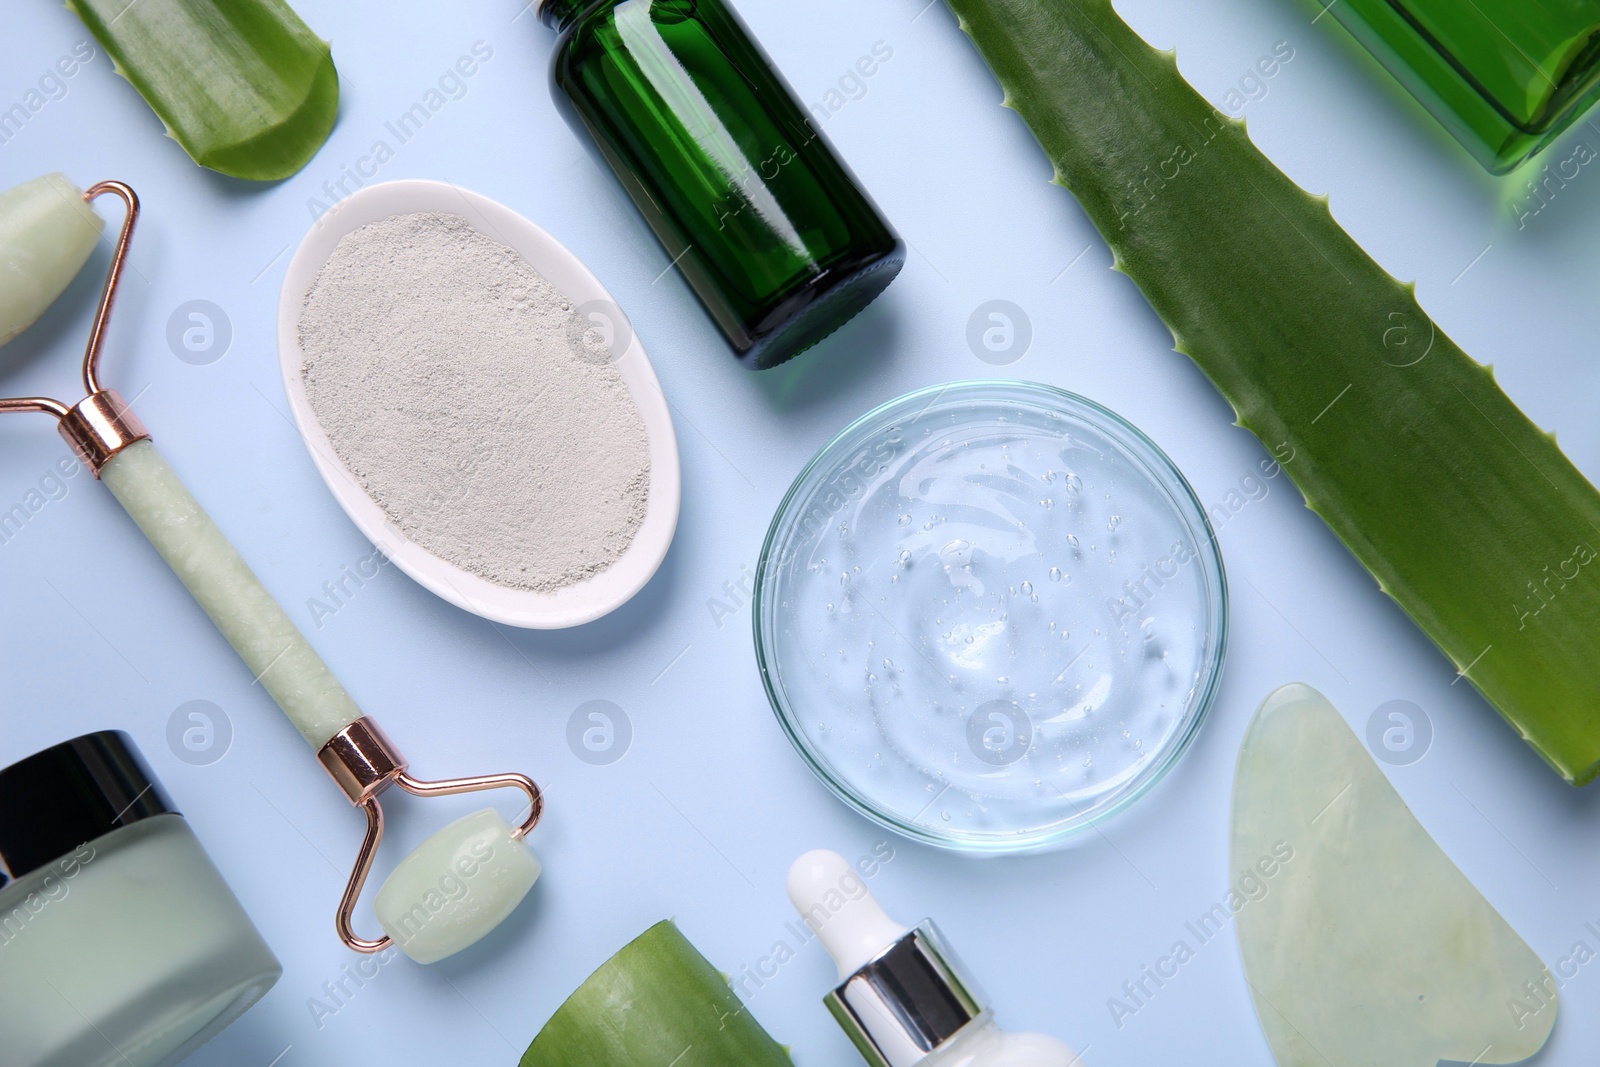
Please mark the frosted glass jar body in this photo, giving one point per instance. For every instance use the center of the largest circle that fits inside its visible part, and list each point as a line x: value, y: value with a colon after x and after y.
x: 131, y: 950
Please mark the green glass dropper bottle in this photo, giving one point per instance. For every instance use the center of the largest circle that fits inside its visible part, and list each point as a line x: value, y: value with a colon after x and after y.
x: 749, y: 200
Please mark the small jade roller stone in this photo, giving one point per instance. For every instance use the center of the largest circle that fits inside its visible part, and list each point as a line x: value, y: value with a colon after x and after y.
x: 744, y: 193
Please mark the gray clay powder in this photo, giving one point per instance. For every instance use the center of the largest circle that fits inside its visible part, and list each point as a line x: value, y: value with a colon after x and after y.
x: 472, y: 404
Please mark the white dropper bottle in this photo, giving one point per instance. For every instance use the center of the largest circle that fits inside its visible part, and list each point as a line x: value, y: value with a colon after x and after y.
x: 904, y: 997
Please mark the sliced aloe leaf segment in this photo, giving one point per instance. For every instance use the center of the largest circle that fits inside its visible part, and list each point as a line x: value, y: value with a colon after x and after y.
x: 656, y: 1002
x: 243, y: 85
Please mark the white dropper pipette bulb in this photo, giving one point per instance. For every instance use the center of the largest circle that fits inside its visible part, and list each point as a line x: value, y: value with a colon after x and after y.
x: 833, y: 900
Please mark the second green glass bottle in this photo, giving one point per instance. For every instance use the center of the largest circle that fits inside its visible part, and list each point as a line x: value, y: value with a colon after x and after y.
x: 766, y: 223
x: 1506, y: 77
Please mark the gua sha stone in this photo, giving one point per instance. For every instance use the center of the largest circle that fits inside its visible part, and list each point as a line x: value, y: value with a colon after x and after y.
x: 1369, y: 946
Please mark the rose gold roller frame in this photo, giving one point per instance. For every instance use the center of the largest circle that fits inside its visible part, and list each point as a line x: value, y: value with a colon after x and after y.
x: 364, y: 762
x: 360, y: 757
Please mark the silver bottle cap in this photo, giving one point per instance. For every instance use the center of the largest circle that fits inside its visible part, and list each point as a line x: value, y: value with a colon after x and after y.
x: 907, y: 1001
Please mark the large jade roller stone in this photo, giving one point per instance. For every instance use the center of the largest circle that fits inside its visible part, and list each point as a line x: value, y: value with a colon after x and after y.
x: 47, y: 231
x: 455, y: 887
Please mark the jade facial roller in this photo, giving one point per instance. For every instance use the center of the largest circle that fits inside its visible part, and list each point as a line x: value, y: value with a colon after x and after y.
x: 458, y: 884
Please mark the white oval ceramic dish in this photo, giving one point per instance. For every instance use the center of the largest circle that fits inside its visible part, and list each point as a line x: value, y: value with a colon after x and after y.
x: 576, y: 604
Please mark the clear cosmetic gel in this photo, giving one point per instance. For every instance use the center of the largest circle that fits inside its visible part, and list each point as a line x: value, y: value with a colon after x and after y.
x: 989, y: 614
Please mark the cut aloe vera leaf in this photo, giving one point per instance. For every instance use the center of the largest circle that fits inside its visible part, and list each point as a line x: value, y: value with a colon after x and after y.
x: 1362, y: 943
x: 656, y: 1002
x: 243, y: 85
x: 47, y: 232
x: 1467, y: 513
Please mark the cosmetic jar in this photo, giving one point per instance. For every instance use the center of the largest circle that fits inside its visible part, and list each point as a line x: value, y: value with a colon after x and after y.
x: 120, y: 944
x: 990, y: 614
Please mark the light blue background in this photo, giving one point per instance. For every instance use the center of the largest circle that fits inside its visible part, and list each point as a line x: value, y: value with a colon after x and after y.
x: 701, y: 818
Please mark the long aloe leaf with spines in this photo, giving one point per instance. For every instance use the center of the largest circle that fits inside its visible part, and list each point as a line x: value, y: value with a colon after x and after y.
x: 243, y: 85
x: 1467, y: 514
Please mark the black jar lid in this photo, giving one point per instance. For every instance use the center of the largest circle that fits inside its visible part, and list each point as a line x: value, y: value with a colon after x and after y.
x: 71, y: 793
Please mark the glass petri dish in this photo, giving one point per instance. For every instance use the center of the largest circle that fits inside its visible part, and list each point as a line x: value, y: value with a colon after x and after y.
x: 990, y: 614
